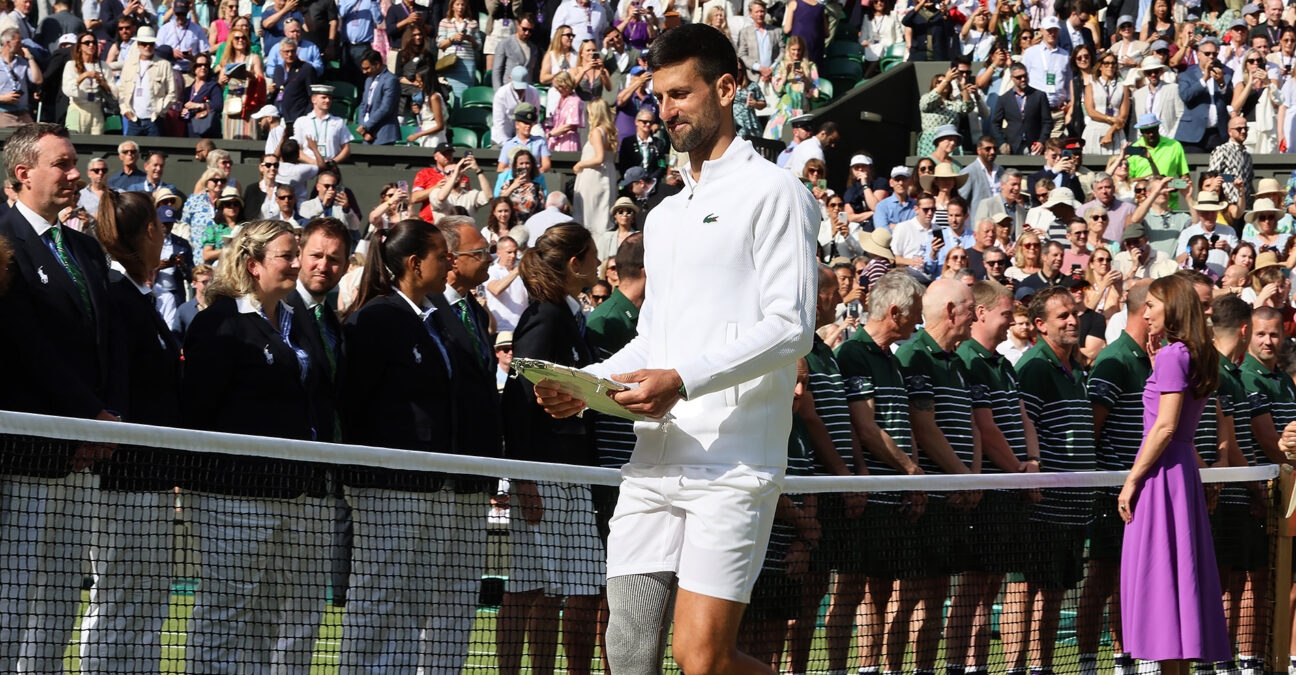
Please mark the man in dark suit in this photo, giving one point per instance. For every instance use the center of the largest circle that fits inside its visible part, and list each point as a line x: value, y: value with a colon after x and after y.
x: 478, y: 425
x: 1075, y: 15
x: 1022, y: 120
x: 1206, y: 90
x: 643, y: 149
x: 519, y: 49
x: 378, y: 107
x: 174, y: 270
x: 63, y: 358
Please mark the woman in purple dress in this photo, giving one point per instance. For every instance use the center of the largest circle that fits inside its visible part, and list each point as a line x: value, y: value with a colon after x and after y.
x: 1170, y: 591
x: 806, y: 19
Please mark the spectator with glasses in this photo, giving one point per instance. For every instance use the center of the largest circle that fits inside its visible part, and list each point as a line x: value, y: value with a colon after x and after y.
x: 200, y: 208
x: 85, y: 81
x: 519, y: 49
x: 332, y: 201
x: 204, y: 106
x: 996, y: 264
x: 259, y: 197
x: 1077, y: 254
x: 147, y: 88
x: 131, y: 177
x: 286, y: 207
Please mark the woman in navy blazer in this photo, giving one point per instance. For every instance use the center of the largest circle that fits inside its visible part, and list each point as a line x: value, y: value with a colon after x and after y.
x: 264, y: 524
x: 130, y: 538
x: 395, y: 391
x: 563, y: 263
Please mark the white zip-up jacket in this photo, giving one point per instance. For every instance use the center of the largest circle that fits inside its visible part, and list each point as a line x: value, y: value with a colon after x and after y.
x: 730, y: 305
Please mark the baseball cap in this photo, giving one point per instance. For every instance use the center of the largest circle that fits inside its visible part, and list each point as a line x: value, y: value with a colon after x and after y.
x: 518, y: 76
x: 1251, y: 8
x: 860, y: 159
x: 446, y: 148
x: 1133, y: 231
x: 266, y: 111
x: 634, y: 174
x: 900, y: 172
x: 1125, y: 19
x: 166, y: 214
x: 1050, y: 23
x: 67, y: 39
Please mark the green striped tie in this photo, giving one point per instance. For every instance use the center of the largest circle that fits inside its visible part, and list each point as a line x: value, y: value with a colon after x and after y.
x: 56, y: 233
x: 470, y: 325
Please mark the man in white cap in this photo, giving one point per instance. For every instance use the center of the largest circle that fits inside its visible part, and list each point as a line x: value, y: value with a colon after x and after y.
x: 519, y: 90
x: 269, y: 124
x: 146, y: 89
x: 1167, y: 154
x: 1049, y: 68
x: 898, y: 207
x: 519, y: 49
x: 1222, y: 238
x: 1157, y: 97
x: 1231, y: 158
x: 813, y: 147
x: 1051, y: 218
x: 320, y: 132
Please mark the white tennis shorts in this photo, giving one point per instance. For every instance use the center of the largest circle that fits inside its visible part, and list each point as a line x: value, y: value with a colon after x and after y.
x: 707, y: 524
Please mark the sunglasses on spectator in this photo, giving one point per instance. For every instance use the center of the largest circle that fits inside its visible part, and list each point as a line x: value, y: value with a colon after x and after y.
x: 1210, y: 53
x: 1255, y: 60
x: 814, y: 170
x: 270, y: 165
x: 837, y: 204
x: 599, y: 298
x: 87, y: 43
x: 995, y: 263
x: 1029, y: 245
x: 926, y: 209
x: 1103, y: 259
x: 99, y: 170
x: 327, y: 186
x: 1096, y: 218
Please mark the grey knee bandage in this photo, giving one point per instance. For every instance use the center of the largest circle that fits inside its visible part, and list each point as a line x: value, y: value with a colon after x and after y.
x: 640, y: 607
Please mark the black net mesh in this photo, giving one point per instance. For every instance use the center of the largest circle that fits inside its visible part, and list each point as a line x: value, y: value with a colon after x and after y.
x: 169, y: 560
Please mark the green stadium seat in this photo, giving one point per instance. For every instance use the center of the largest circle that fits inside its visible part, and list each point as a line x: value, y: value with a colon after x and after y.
x: 405, y: 131
x: 484, y: 138
x: 825, y: 92
x: 344, y: 90
x: 477, y: 97
x: 475, y: 118
x: 463, y: 137
x: 843, y: 73
x: 894, y: 54
x: 848, y: 49
x: 113, y: 125
x: 355, y: 135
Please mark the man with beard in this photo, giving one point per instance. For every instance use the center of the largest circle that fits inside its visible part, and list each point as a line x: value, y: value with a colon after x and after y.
x: 727, y: 453
x: 1053, y: 388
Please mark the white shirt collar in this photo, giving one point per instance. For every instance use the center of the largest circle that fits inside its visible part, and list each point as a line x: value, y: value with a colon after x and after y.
x: 574, y: 306
x: 144, y: 290
x: 38, y: 223
x: 451, y: 295
x: 307, y: 298
x: 421, y: 309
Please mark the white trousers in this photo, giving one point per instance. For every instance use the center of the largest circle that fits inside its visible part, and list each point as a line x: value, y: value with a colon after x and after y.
x: 416, y: 567
x: 44, y: 532
x: 265, y: 570
x: 131, y: 548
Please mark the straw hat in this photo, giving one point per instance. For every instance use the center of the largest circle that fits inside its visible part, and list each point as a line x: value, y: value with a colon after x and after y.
x: 878, y: 244
x: 230, y: 194
x: 1209, y: 201
x: 1262, y: 205
x: 943, y: 170
x: 1266, y: 259
x: 1269, y: 185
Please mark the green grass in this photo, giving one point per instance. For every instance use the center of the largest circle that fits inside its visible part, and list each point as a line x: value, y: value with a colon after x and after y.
x: 481, y: 657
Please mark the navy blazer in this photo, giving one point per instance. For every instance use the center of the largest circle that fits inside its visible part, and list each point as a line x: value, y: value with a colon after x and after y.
x: 61, y: 360
x: 479, y: 423
x: 240, y: 377
x: 1197, y: 102
x: 395, y: 389
x: 1064, y: 39
x: 324, y: 391
x: 152, y: 357
x: 547, y: 331
x: 1007, y: 124
x: 378, y: 108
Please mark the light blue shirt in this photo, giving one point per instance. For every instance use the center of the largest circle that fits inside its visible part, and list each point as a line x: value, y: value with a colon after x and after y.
x: 890, y: 211
x: 358, y: 19
x: 15, y: 77
x: 306, y: 51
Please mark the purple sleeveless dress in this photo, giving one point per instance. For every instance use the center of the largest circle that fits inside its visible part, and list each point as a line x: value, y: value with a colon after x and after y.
x: 1170, y: 590
x: 808, y: 24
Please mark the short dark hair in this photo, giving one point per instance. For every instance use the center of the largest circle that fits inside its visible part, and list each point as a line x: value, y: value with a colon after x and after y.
x: 714, y: 53
x: 1230, y: 312
x: 630, y: 257
x: 371, y: 56
x: 330, y: 227
x: 829, y: 128
x: 1039, y: 303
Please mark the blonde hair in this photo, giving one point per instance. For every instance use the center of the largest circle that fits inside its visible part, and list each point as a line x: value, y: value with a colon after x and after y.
x: 564, y: 80
x: 600, y: 117
x: 555, y: 45
x: 232, y: 276
x: 210, y: 174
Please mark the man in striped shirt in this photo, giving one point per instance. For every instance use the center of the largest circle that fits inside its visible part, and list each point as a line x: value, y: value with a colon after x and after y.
x: 879, y: 411
x: 940, y: 413
x: 1008, y: 445
x: 1238, y: 524
x: 1116, y: 384
x: 1057, y: 403
x: 840, y: 514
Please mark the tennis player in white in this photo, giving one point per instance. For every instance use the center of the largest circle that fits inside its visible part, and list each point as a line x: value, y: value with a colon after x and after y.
x: 729, y: 309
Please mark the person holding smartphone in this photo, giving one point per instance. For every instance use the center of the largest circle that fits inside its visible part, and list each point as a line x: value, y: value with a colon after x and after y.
x: 1164, y: 157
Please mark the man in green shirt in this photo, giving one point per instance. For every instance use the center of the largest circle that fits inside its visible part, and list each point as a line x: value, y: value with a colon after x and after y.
x: 1238, y: 524
x: 1057, y: 403
x: 1116, y: 384
x: 1008, y: 445
x: 940, y: 414
x: 1162, y: 156
x: 879, y: 411
x: 615, y: 322
x: 1271, y: 392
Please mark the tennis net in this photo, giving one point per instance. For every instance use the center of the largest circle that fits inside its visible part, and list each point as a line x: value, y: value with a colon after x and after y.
x: 199, y: 552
